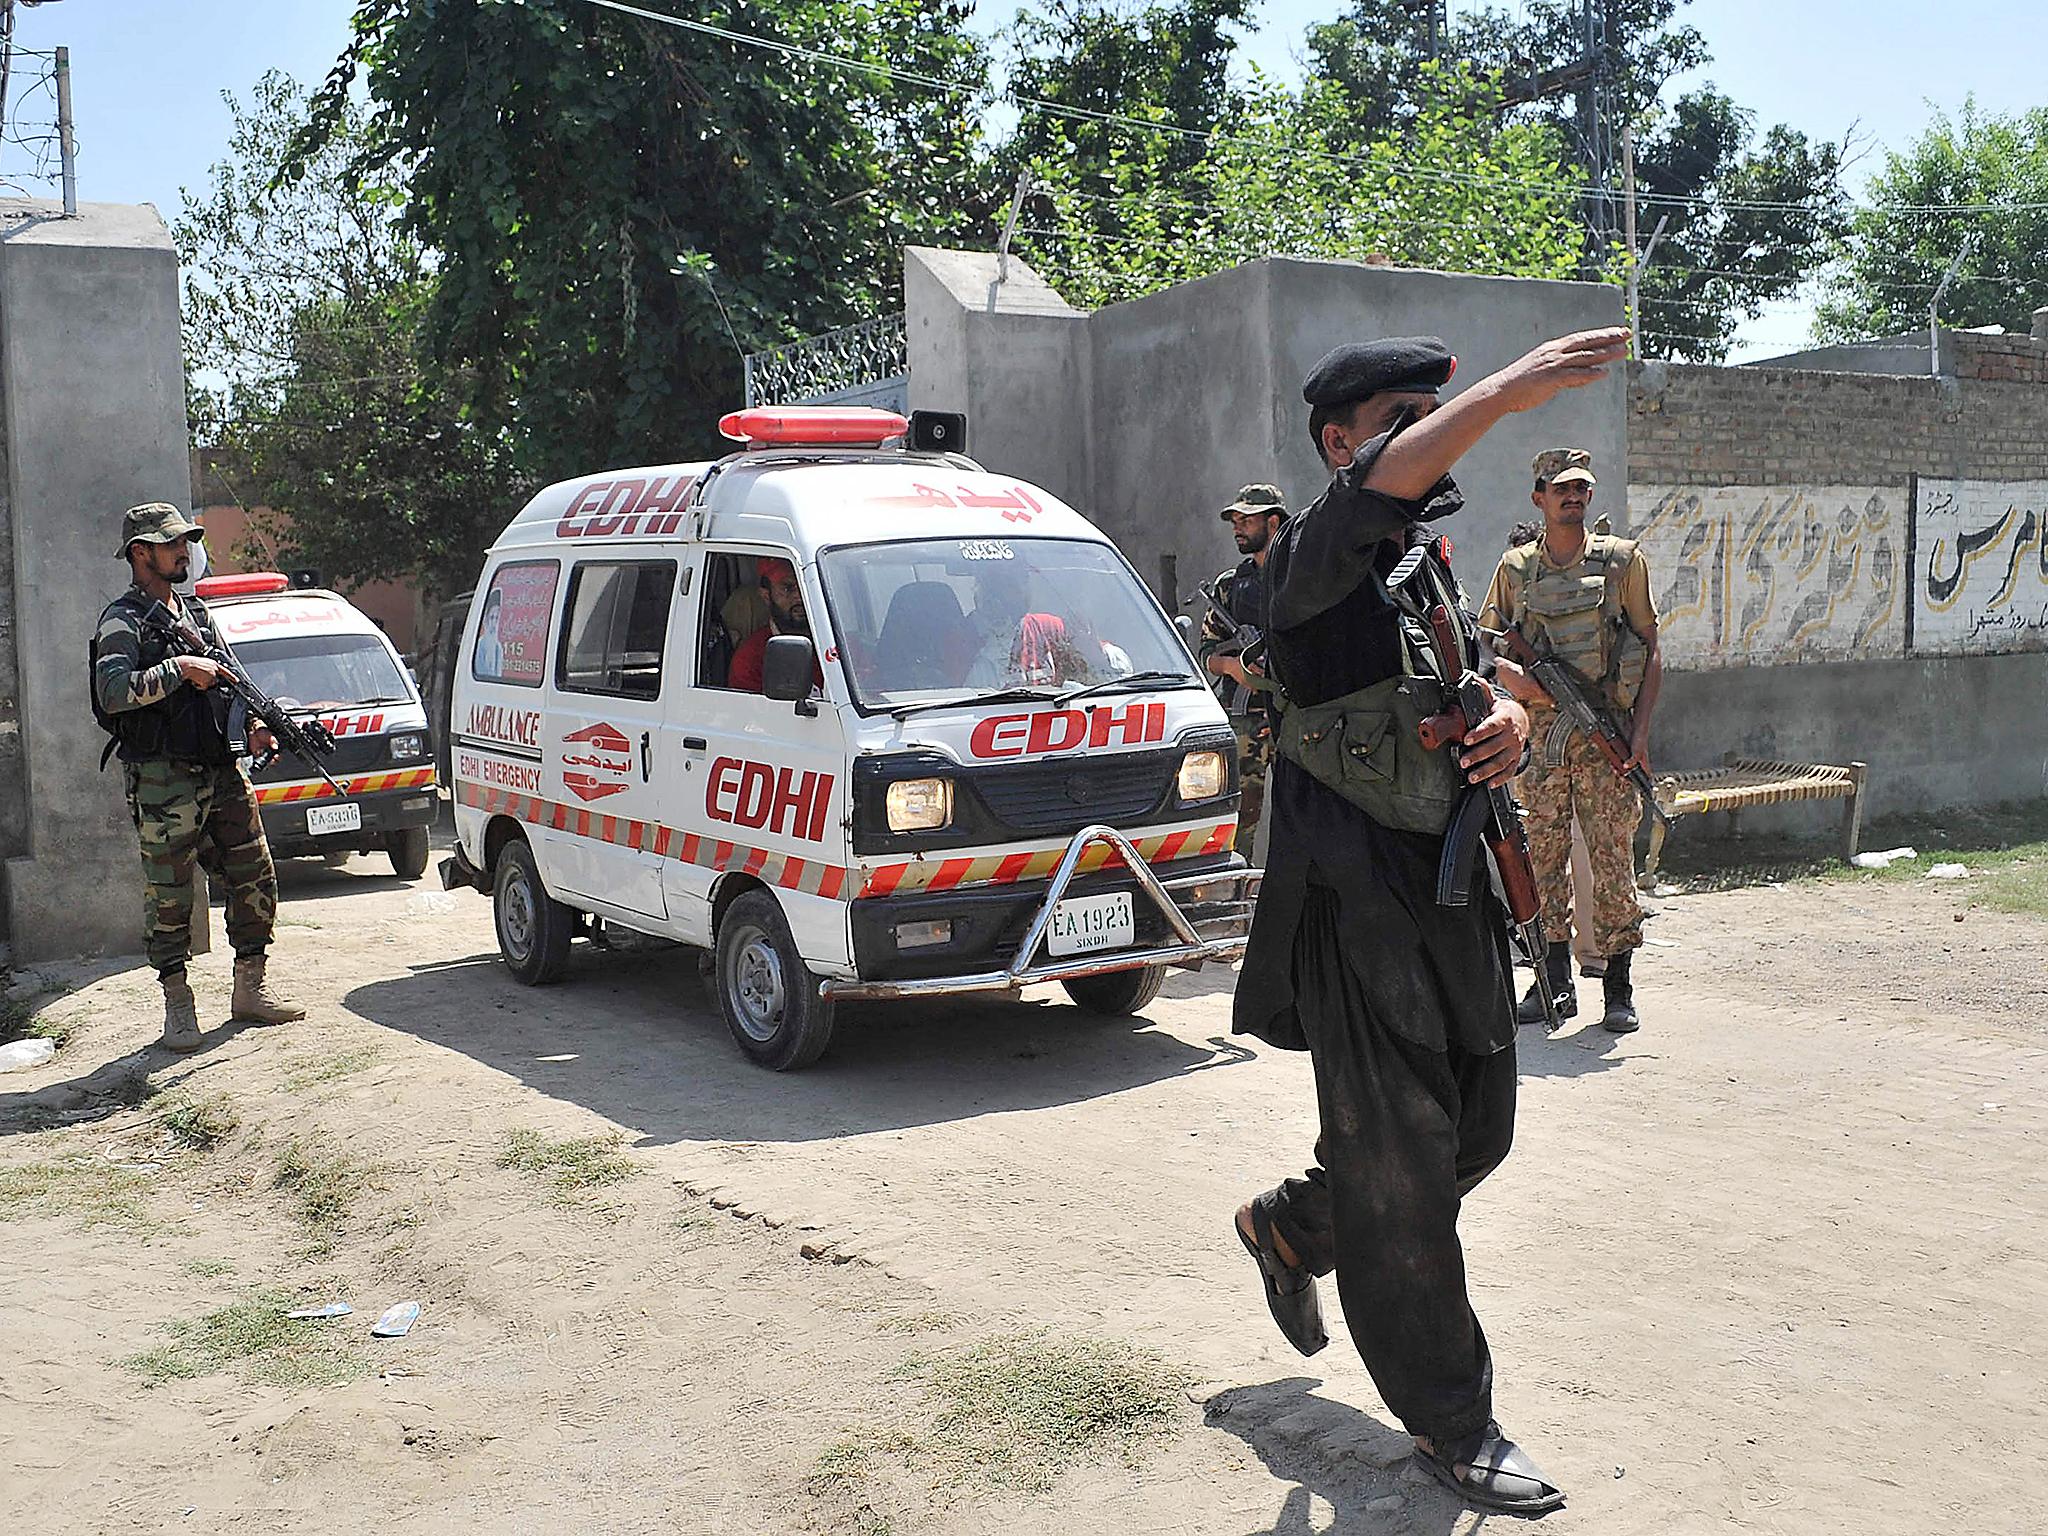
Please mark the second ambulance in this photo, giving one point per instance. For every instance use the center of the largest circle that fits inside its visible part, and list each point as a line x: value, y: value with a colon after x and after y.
x: 862, y: 720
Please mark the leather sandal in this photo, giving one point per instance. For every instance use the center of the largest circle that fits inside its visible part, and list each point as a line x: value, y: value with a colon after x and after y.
x: 1498, y: 1474
x: 1290, y: 1289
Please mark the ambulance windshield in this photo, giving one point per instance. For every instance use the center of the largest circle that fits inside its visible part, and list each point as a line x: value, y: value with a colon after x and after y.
x: 935, y: 617
x: 325, y: 669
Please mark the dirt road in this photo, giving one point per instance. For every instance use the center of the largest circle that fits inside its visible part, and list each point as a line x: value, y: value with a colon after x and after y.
x: 1773, y: 1264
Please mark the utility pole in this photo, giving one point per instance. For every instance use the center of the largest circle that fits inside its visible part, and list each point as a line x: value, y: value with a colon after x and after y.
x: 1934, y: 304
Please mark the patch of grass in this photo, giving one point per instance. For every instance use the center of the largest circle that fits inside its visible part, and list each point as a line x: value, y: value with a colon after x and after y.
x: 208, y: 1269
x: 97, y: 1192
x: 917, y: 1322
x: 323, y: 1183
x: 571, y: 1167
x: 1015, y: 1412
x: 690, y: 1222
x: 22, y: 1017
x: 298, y: 922
x: 202, y: 1124
x: 255, y: 1339
x: 312, y: 1071
x: 1991, y: 840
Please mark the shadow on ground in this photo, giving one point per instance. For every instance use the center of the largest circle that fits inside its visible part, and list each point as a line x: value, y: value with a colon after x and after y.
x: 1331, y: 1451
x: 636, y: 1036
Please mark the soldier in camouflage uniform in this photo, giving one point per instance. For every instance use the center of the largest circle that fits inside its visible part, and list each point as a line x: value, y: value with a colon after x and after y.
x: 1584, y: 598
x: 187, y: 793
x: 1254, y: 518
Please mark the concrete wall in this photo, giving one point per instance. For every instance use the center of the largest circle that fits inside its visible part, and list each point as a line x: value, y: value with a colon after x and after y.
x: 1952, y: 730
x: 1804, y: 530
x: 92, y: 406
x: 1149, y: 415
x: 1784, y: 508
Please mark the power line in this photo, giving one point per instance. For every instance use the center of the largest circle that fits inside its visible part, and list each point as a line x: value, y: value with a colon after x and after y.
x: 1210, y: 136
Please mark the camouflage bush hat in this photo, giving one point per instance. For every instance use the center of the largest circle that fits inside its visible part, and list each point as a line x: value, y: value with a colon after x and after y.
x: 1257, y: 498
x: 155, y: 522
x: 1555, y: 464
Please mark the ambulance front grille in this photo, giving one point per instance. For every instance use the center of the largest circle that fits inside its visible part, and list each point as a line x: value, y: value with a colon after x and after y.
x: 1066, y: 795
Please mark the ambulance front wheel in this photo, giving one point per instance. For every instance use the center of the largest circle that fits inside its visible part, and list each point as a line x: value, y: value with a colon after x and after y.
x: 768, y: 996
x: 407, y: 849
x: 1117, y: 992
x: 533, y: 928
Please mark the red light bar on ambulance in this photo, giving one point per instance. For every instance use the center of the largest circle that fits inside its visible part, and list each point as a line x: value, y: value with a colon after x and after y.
x: 813, y: 426
x: 250, y: 585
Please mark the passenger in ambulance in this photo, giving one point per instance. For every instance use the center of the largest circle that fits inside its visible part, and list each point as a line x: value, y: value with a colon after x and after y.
x: 1012, y: 644
x: 786, y: 616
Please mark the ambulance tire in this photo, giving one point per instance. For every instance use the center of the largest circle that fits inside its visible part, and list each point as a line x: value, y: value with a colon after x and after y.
x: 533, y: 928
x: 408, y: 849
x: 768, y: 995
x: 1117, y: 993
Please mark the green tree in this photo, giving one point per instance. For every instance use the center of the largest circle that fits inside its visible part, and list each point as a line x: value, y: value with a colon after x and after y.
x: 619, y: 207
x: 302, y: 303
x: 1699, y: 161
x: 1745, y: 222
x: 1166, y: 62
x: 1977, y: 174
x: 1453, y: 191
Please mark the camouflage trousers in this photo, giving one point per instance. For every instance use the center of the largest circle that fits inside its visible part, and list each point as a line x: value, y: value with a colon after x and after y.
x: 1254, y: 751
x: 187, y: 814
x: 1607, y: 810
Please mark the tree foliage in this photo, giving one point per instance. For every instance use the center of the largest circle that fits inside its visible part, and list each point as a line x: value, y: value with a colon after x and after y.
x: 1292, y: 177
x: 302, y: 304
x: 1698, y: 158
x: 621, y: 208
x: 1918, y: 221
x: 1745, y: 221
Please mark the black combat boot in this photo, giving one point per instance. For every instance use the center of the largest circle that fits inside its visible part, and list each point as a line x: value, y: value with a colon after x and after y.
x: 1621, y: 997
x: 1557, y: 975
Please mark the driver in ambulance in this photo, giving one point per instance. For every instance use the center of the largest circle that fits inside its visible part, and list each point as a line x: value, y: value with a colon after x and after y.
x: 786, y: 616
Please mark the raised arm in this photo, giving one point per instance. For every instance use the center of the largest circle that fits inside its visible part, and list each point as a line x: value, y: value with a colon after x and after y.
x: 1411, y: 465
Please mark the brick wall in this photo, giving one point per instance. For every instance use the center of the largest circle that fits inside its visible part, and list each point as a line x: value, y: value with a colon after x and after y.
x: 1693, y: 424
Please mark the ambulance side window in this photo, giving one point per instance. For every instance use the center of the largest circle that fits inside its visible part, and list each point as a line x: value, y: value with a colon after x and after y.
x: 733, y: 608
x: 614, y: 626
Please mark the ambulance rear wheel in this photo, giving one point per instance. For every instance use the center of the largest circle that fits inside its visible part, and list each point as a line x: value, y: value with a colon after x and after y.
x: 768, y: 996
x: 1117, y: 992
x: 533, y: 928
x: 408, y: 849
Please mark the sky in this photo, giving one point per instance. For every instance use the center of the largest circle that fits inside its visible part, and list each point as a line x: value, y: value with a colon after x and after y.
x: 147, y: 76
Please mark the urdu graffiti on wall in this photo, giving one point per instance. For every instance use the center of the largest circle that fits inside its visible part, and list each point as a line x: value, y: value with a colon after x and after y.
x: 1754, y: 575
x: 1981, y: 577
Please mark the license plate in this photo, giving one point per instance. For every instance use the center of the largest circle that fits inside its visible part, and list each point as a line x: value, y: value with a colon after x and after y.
x: 322, y: 819
x: 1083, y: 924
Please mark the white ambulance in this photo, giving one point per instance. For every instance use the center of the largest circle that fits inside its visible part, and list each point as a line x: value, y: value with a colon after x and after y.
x: 322, y: 657
x: 862, y: 720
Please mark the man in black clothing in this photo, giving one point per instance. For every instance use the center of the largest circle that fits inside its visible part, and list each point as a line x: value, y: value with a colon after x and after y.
x: 1405, y: 1007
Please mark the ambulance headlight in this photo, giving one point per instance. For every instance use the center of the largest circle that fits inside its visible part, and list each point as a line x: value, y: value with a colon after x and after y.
x: 408, y: 746
x: 1203, y: 776
x: 920, y: 805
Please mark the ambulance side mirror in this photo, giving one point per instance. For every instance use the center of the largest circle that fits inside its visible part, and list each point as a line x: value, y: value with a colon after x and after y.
x: 1186, y: 626
x: 787, y: 669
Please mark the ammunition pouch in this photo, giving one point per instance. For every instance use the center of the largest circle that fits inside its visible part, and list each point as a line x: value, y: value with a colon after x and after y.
x: 1366, y: 747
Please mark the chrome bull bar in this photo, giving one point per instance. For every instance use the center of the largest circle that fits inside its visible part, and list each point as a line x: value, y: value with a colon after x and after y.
x: 1213, y: 926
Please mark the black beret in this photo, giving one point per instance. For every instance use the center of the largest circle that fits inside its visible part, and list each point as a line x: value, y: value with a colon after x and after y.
x: 1412, y: 364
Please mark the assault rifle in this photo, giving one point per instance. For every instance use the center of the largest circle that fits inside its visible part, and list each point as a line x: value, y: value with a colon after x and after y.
x: 1576, y: 711
x: 308, y: 740
x: 1488, y: 815
x: 1243, y: 641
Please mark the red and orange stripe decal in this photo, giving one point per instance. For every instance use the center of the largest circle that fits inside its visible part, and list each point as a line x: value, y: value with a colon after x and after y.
x: 791, y: 872
x: 361, y: 784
